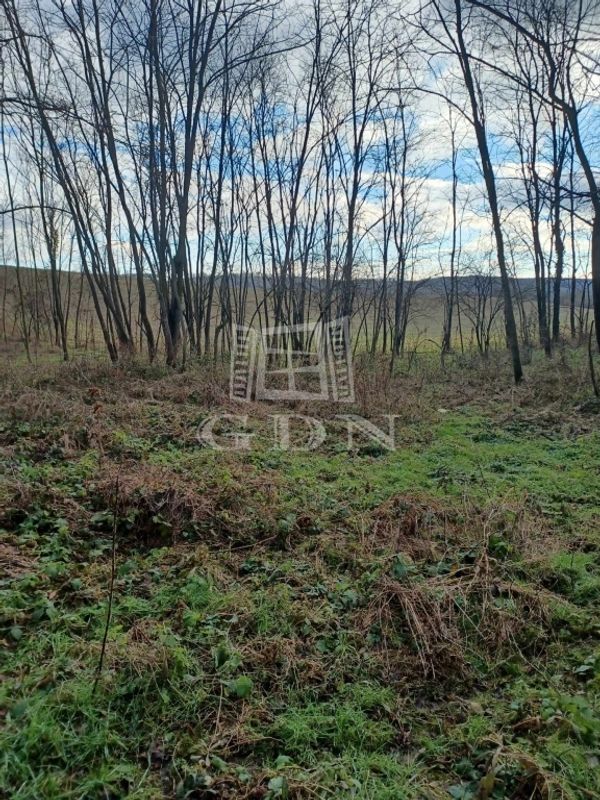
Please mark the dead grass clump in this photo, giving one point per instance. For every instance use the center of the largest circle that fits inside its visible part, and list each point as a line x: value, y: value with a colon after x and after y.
x: 410, y: 525
x: 14, y: 563
x: 378, y: 391
x: 427, y: 615
x: 449, y: 618
x: 465, y: 600
x: 207, y: 386
x: 283, y: 662
x: 36, y: 405
x: 16, y: 498
x: 141, y: 651
x: 426, y: 530
x: 155, y: 504
x: 158, y: 505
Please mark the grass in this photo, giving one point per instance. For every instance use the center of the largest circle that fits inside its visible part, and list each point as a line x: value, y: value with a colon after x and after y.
x: 372, y: 625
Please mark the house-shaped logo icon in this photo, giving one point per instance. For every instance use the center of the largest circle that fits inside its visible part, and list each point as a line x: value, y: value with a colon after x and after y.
x: 293, y: 362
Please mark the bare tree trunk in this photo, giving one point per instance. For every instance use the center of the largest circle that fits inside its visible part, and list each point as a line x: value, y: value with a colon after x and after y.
x: 490, y: 184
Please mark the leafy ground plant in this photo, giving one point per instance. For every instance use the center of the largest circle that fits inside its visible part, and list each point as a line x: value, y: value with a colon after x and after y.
x: 414, y: 624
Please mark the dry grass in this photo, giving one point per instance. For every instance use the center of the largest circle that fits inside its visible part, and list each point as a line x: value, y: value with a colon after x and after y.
x: 365, y: 591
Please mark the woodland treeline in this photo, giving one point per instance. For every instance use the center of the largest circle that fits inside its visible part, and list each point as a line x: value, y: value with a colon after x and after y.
x: 199, y: 164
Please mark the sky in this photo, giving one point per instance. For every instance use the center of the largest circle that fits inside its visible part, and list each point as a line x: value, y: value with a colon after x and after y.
x: 432, y: 168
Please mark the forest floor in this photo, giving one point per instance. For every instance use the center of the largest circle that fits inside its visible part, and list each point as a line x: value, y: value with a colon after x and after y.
x: 365, y: 624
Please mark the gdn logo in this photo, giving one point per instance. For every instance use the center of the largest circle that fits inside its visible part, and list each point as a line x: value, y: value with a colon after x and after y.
x: 293, y: 362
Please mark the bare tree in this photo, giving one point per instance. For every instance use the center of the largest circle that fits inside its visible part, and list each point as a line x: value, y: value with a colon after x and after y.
x: 564, y: 35
x: 455, y: 26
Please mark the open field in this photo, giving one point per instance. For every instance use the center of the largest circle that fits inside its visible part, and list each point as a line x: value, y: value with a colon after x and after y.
x: 84, y: 336
x: 373, y: 625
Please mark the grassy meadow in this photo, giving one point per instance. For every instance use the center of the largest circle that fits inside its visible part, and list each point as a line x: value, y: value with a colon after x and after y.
x: 84, y: 335
x: 374, y: 625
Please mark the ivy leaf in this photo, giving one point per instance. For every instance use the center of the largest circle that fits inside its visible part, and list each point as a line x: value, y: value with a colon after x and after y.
x: 241, y: 686
x: 16, y: 633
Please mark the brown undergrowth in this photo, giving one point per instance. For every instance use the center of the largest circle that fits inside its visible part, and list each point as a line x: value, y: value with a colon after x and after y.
x: 275, y: 612
x: 451, y: 587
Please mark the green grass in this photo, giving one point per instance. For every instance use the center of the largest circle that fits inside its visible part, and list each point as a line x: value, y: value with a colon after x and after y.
x: 367, y: 625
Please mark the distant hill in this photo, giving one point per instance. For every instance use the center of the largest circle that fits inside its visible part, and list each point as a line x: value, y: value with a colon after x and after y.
x: 432, y: 286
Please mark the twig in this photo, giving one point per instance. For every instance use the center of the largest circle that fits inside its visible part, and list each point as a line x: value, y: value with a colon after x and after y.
x: 591, y: 360
x: 111, y: 585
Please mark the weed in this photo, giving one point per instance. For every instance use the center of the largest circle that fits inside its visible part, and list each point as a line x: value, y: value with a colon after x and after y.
x: 366, y: 625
